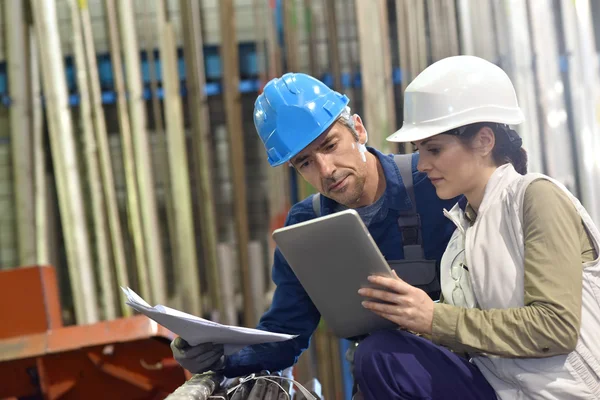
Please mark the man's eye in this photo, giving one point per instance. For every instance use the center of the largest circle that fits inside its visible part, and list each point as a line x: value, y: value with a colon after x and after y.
x: 304, y: 164
x: 331, y: 146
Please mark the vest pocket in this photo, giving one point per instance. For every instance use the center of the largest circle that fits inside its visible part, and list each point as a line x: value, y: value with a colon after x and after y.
x: 584, y: 367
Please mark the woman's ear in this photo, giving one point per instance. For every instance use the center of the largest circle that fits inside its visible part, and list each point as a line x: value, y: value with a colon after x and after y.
x: 484, y: 141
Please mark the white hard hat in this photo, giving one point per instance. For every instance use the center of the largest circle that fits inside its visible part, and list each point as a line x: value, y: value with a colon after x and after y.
x: 454, y: 92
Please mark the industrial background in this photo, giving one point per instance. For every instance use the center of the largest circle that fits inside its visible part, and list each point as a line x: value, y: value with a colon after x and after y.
x: 128, y: 155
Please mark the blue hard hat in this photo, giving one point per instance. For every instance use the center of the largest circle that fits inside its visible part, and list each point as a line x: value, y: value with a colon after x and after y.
x: 293, y: 111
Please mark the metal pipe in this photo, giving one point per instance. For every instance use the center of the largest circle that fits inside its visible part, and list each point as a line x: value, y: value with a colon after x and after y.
x: 20, y: 130
x: 260, y: 31
x: 133, y: 205
x: 141, y: 150
x: 229, y: 48
x: 512, y: 21
x: 404, y: 45
x: 200, y: 120
x: 583, y: 91
x: 257, y: 262
x: 377, y: 90
x: 106, y: 171
x: 178, y: 162
x: 465, y: 26
x: 550, y: 94
x: 65, y: 161
x: 332, y: 43
x: 227, y: 284
x: 39, y: 157
x: 311, y: 38
x: 90, y: 155
x: 277, y: 178
x: 149, y: 29
x: 198, y: 387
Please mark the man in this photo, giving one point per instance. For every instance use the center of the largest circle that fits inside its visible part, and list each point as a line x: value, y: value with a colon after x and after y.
x: 305, y: 124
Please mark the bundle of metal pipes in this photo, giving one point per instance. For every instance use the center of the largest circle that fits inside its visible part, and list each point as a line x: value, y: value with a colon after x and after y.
x: 145, y: 170
x: 261, y: 386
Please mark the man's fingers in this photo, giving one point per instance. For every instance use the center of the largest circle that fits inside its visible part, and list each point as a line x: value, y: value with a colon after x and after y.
x: 203, y: 351
x: 179, y: 343
x: 272, y: 392
x: 258, y: 391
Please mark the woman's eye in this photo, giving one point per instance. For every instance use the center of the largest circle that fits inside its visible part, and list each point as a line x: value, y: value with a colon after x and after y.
x: 434, y: 151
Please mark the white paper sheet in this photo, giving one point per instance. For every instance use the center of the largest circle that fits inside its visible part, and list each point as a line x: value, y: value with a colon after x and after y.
x: 196, y: 330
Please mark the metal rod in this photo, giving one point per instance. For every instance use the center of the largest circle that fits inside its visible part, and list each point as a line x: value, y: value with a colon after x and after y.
x: 141, y: 150
x: 550, y: 94
x: 187, y: 270
x: 260, y: 32
x: 277, y: 178
x: 39, y: 156
x: 376, y: 75
x: 133, y: 210
x: 275, y: 66
x: 404, y: 45
x: 348, y: 16
x: 290, y: 35
x: 20, y: 130
x: 227, y: 283
x: 90, y: 155
x: 62, y: 142
x: 200, y: 121
x: 229, y: 48
x: 332, y: 44
x: 103, y: 148
x: 149, y: 30
x: 311, y: 37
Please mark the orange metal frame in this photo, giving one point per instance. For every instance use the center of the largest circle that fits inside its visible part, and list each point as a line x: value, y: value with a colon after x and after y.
x: 127, y: 358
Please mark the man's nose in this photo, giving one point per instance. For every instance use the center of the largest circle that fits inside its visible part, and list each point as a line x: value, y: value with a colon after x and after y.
x: 326, y: 165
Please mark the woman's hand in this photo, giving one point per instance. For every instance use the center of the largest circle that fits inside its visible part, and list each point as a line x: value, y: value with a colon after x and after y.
x: 409, y: 307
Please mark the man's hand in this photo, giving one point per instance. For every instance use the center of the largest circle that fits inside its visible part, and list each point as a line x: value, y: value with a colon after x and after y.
x: 198, y: 359
x: 409, y: 307
x: 259, y: 386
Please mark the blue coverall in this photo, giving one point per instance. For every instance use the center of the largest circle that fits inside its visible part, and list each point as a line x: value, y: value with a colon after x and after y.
x: 293, y: 312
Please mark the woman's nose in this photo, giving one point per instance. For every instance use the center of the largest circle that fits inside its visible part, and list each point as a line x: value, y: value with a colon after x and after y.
x: 423, y: 165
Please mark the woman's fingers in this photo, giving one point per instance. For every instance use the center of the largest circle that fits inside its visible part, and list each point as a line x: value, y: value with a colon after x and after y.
x: 378, y: 294
x: 380, y: 307
x: 396, y: 284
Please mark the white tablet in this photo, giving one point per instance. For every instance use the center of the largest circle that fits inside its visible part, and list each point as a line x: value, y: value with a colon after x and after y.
x: 332, y: 256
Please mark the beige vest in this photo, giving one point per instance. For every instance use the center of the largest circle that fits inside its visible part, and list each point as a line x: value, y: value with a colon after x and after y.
x: 493, y: 250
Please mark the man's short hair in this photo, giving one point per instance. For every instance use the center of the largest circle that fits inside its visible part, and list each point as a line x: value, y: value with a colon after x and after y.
x: 346, y: 119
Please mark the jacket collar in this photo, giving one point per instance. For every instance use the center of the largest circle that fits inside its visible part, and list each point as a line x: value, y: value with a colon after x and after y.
x: 396, y: 196
x: 503, y: 176
x: 500, y: 179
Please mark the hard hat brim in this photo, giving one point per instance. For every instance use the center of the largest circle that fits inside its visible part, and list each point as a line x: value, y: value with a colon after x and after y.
x: 414, y: 132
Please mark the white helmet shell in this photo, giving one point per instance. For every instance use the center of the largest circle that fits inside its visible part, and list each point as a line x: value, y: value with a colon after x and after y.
x: 454, y: 92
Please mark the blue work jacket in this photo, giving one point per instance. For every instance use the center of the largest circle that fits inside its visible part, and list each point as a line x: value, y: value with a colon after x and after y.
x: 293, y: 312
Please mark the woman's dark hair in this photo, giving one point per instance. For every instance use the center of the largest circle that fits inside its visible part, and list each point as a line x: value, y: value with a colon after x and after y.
x: 508, y: 144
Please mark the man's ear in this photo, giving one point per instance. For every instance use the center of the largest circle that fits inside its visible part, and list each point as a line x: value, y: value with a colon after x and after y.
x: 363, y: 136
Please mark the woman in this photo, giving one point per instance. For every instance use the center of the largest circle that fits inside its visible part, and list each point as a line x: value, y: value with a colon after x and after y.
x: 519, y: 316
